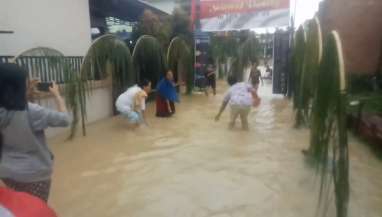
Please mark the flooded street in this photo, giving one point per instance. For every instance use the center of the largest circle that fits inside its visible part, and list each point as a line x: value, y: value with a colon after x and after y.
x: 192, y: 166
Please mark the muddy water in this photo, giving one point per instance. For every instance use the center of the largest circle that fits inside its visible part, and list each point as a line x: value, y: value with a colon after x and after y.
x: 191, y: 166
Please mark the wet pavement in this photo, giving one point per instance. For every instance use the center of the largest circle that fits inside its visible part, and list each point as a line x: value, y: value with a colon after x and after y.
x: 191, y: 166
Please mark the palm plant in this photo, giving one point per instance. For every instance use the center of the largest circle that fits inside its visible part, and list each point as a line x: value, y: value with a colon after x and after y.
x: 328, y: 129
x: 179, y: 57
x: 39, y: 51
x: 153, y: 25
x: 298, y: 67
x: 148, y: 59
x: 308, y: 77
x: 108, y: 56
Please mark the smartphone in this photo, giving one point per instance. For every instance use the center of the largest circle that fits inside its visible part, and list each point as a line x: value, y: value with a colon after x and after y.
x: 44, y: 86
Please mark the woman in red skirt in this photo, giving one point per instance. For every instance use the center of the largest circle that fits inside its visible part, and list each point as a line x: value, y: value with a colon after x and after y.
x: 166, y: 96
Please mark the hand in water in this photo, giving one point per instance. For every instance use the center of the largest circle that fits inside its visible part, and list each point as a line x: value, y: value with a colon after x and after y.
x: 217, y: 117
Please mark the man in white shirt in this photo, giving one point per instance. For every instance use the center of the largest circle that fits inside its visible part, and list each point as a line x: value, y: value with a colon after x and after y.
x: 241, y: 97
x: 132, y: 103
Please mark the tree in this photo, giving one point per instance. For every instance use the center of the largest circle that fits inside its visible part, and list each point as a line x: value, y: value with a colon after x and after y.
x: 180, y: 25
x: 185, y: 5
x: 329, y: 127
x: 148, y: 59
x: 179, y: 58
x: 153, y: 25
x: 298, y: 67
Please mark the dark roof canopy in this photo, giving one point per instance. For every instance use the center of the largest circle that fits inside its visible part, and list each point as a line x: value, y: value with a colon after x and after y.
x: 126, y: 10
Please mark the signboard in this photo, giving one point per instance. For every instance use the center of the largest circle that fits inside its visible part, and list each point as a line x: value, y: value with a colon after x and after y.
x: 226, y: 15
x: 202, y: 46
x: 281, y: 51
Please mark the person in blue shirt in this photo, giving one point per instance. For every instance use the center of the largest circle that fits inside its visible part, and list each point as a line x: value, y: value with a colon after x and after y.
x: 166, y: 96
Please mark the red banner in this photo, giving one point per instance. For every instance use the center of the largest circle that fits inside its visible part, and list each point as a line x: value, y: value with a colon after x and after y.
x: 213, y: 8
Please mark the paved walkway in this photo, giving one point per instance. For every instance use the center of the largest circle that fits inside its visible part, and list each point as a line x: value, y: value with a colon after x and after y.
x: 191, y: 166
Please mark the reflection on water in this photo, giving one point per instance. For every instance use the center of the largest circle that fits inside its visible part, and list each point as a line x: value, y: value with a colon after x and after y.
x: 190, y: 165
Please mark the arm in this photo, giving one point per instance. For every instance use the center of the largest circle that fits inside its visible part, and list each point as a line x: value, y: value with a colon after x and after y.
x: 42, y: 118
x: 255, y: 97
x: 143, y: 109
x: 222, y: 108
x: 254, y: 94
x: 61, y: 107
x: 168, y: 106
x: 143, y: 113
x: 224, y: 105
x: 250, y: 76
x: 211, y: 73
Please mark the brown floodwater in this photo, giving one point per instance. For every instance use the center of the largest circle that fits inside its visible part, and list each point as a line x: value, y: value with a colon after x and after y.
x: 191, y: 166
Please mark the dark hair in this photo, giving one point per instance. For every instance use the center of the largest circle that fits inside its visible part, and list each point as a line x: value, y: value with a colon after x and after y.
x: 232, y: 80
x: 167, y: 71
x: 12, y: 90
x: 13, y: 87
x: 143, y: 83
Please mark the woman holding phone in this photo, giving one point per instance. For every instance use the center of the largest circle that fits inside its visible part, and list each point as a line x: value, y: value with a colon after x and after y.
x: 26, y: 161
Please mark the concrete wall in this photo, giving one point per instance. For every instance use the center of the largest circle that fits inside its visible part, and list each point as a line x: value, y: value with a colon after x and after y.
x: 359, y: 23
x: 60, y: 24
x: 99, y: 106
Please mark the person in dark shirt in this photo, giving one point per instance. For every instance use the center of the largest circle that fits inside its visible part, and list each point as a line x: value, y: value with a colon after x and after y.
x: 269, y: 71
x: 211, y: 76
x: 255, y: 74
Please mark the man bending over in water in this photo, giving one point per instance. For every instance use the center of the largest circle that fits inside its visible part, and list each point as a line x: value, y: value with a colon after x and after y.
x: 241, y: 97
x: 132, y: 103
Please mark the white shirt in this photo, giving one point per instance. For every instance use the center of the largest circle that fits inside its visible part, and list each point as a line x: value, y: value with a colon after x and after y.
x: 240, y: 94
x: 127, y: 100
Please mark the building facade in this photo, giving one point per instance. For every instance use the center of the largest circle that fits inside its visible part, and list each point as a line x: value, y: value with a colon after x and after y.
x: 60, y: 24
x: 359, y: 23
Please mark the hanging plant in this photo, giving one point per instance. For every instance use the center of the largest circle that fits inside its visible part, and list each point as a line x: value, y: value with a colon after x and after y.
x: 328, y: 129
x: 179, y: 56
x: 108, y: 56
x: 148, y: 59
x: 308, y: 79
x: 298, y: 67
x: 38, y: 51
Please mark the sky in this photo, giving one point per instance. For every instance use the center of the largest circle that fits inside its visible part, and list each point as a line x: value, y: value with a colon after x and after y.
x: 305, y: 9
x: 302, y: 10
